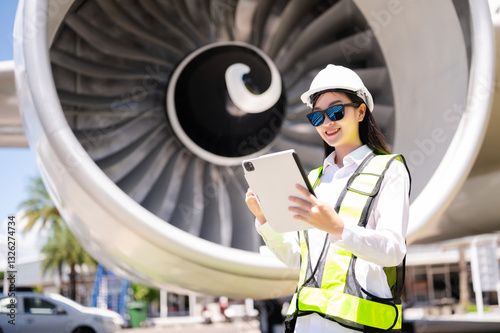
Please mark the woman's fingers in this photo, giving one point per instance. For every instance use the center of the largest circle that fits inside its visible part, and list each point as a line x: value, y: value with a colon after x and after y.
x: 305, y: 192
x: 307, y: 202
x: 303, y: 205
x: 307, y: 208
x: 300, y: 214
x: 317, y: 213
x: 301, y: 202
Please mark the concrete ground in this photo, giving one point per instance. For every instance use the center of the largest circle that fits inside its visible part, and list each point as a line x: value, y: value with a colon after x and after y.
x: 238, y: 326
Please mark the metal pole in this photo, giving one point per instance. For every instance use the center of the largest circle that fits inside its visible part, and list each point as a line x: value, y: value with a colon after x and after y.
x: 476, y: 278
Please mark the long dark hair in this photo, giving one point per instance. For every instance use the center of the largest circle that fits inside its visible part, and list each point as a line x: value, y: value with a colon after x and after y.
x: 369, y: 132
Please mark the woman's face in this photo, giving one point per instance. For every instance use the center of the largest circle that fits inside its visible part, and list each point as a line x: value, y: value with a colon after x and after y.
x: 343, y: 132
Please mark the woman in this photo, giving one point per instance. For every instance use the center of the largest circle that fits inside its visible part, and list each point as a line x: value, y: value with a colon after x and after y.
x: 348, y: 279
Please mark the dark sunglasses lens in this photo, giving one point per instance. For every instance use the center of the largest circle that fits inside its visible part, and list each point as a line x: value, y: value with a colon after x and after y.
x: 335, y: 112
x: 316, y: 118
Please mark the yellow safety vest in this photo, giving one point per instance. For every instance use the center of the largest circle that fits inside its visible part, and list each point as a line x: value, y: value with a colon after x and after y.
x: 331, y: 290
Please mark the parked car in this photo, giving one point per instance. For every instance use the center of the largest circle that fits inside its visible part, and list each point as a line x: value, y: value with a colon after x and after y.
x: 52, y: 313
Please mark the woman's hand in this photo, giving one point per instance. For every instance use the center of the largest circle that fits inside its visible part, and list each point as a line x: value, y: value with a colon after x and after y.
x: 253, y: 205
x: 317, y: 213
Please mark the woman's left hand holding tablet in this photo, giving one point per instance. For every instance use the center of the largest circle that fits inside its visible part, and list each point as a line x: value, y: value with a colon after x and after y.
x: 317, y: 213
x: 253, y: 205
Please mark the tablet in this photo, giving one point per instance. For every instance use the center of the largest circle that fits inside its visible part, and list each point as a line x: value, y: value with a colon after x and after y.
x: 272, y: 178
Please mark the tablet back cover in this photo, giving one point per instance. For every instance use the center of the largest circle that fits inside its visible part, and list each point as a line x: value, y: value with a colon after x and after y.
x: 272, y: 178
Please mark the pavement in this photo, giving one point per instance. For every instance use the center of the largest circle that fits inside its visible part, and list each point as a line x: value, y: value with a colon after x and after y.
x: 238, y: 326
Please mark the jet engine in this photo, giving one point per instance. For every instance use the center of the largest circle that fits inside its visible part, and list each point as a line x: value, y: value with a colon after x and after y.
x: 141, y: 112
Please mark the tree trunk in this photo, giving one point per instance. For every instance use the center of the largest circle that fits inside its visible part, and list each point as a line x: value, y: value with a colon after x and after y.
x: 59, y: 272
x: 72, y: 282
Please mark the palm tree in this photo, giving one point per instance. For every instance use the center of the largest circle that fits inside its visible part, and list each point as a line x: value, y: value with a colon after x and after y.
x: 40, y: 208
x: 62, y: 248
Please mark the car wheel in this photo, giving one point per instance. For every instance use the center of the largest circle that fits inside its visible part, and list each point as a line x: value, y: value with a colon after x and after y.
x: 83, y: 330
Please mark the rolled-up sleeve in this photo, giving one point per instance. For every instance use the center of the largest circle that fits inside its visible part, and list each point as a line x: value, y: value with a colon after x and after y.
x: 382, y: 242
x: 285, y: 246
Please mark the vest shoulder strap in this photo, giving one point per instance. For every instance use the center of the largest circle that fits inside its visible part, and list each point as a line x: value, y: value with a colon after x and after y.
x: 355, y: 201
x: 314, y: 176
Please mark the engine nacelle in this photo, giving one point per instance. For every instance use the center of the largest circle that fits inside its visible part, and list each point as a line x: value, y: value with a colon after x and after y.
x: 140, y: 114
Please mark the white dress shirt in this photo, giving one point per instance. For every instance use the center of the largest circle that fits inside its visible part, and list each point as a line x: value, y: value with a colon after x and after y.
x: 381, y: 244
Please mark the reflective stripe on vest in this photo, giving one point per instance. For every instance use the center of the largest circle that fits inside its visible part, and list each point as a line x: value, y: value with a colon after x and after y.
x: 332, y: 290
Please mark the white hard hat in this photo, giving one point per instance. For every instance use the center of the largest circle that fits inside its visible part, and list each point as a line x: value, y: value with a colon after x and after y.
x: 338, y: 77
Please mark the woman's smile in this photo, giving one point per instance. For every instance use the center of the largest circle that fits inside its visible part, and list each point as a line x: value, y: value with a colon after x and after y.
x: 332, y: 132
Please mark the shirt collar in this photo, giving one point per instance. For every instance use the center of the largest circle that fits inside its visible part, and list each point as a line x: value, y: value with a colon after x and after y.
x: 357, y: 156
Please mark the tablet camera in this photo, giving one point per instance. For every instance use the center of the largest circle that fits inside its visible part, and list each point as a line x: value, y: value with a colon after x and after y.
x: 249, y: 166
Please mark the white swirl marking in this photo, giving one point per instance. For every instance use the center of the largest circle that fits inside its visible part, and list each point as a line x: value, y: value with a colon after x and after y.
x: 246, y: 100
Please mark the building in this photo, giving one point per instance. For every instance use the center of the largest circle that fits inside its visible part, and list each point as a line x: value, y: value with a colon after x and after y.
x: 450, y: 277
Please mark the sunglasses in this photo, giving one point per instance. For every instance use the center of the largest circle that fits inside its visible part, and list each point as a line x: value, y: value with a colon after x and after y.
x: 335, y: 113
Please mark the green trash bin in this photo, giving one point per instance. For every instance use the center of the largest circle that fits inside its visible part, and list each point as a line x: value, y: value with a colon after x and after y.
x: 138, y: 312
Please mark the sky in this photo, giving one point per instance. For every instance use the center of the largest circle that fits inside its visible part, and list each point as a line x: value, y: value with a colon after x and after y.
x: 17, y: 165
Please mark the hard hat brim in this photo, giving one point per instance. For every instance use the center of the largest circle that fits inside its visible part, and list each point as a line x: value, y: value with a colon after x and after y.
x: 362, y: 93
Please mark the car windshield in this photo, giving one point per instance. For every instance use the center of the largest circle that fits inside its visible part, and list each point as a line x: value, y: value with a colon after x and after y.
x: 7, y: 304
x: 67, y: 301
